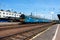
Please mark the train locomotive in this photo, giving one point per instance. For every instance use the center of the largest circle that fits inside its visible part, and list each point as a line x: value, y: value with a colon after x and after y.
x: 31, y: 19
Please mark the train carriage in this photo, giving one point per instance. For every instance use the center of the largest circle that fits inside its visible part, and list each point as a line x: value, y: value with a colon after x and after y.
x: 31, y: 19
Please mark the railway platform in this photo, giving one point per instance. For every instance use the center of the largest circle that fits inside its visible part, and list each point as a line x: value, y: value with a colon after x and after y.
x: 57, y: 33
x: 52, y: 33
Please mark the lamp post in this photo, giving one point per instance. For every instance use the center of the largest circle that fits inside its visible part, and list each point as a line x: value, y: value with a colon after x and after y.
x: 52, y: 15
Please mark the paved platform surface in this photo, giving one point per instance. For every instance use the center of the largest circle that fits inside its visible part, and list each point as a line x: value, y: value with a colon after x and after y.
x: 48, y: 35
x: 57, y: 33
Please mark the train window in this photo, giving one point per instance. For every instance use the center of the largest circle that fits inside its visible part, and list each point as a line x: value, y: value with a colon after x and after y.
x: 6, y: 13
x: 0, y: 12
x: 29, y: 18
x: 3, y: 13
x: 37, y: 20
x: 3, y: 16
x: 9, y: 14
x: 12, y: 14
x: 17, y: 15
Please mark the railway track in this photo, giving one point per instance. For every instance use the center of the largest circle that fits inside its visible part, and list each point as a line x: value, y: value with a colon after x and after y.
x: 16, y: 26
x: 23, y: 33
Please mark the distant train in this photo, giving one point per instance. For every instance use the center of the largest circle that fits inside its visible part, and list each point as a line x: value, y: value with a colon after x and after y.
x: 25, y: 19
x: 31, y: 19
x: 9, y: 19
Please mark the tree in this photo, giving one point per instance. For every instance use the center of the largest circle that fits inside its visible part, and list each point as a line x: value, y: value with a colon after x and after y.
x: 15, y: 12
x: 20, y: 13
x: 2, y: 10
x: 8, y: 10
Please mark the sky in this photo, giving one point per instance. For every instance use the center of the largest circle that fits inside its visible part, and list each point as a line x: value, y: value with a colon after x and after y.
x: 40, y: 8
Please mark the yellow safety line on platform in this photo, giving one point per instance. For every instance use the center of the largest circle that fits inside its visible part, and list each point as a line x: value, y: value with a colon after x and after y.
x: 39, y: 34
x: 55, y: 33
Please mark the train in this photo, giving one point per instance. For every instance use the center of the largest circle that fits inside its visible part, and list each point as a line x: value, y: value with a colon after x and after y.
x: 25, y: 19
x: 31, y: 19
x: 9, y: 19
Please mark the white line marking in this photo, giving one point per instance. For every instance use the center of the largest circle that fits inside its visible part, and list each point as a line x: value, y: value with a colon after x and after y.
x: 39, y: 34
x: 55, y: 33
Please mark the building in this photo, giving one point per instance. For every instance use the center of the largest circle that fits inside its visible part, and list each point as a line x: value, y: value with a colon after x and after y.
x: 4, y: 14
x: 7, y: 16
x: 58, y: 16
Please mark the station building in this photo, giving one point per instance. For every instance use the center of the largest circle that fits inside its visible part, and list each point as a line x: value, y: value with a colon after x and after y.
x: 4, y: 15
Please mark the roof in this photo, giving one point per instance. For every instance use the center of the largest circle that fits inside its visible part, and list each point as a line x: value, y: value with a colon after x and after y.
x: 58, y: 16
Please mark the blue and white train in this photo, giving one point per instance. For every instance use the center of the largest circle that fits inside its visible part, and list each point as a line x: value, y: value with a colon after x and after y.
x: 31, y: 19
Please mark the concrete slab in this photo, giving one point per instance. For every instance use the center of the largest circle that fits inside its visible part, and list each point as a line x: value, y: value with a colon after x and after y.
x: 48, y: 35
x: 57, y: 33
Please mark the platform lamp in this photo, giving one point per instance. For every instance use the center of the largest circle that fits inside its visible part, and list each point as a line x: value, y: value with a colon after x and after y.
x: 52, y: 15
x: 31, y: 14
